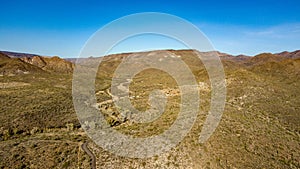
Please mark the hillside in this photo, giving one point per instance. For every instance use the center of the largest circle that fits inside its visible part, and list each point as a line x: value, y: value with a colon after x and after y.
x: 12, y: 66
x: 3, y: 56
x: 264, y: 58
x: 291, y: 55
x: 33, y: 64
x: 51, y: 64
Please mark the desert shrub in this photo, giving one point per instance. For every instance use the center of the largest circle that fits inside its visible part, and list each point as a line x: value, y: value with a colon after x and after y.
x: 70, y: 126
x: 34, y: 130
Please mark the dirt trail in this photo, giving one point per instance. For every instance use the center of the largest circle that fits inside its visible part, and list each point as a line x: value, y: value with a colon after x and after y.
x: 86, y: 149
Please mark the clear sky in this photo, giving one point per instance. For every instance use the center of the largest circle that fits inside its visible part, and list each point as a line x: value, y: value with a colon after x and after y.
x: 53, y: 27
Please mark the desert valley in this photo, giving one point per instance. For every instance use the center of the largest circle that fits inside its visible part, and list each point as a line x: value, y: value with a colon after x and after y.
x: 259, y: 129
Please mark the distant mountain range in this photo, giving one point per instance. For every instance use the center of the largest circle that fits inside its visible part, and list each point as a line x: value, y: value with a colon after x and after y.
x: 17, y: 54
x: 292, y: 55
x: 12, y: 63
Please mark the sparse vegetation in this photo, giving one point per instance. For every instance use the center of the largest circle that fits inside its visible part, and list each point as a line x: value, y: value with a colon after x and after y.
x: 259, y: 128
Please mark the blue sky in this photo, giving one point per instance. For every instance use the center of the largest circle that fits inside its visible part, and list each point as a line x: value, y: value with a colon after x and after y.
x: 61, y: 28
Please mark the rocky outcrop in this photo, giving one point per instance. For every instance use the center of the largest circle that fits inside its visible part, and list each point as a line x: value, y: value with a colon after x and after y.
x: 35, y: 64
x: 35, y: 60
x: 13, y: 66
x: 56, y: 64
x: 50, y: 64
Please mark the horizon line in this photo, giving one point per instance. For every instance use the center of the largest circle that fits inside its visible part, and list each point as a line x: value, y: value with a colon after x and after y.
x: 140, y: 51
